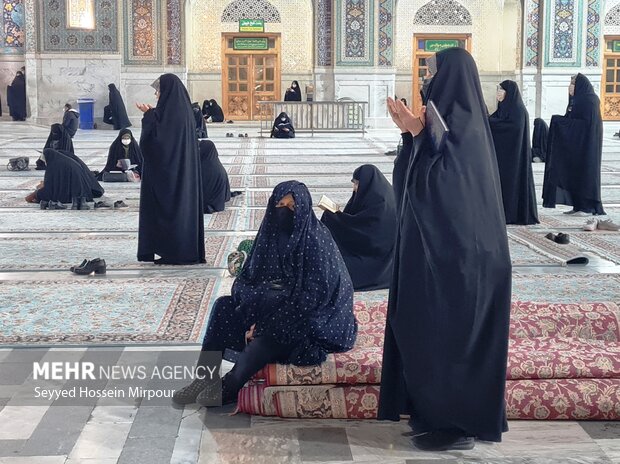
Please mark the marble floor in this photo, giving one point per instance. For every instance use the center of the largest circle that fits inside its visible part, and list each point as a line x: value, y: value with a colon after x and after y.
x: 36, y: 248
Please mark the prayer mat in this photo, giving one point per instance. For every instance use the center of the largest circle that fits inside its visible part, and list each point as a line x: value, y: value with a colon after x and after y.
x: 93, y: 310
x: 565, y: 288
x: 555, y: 218
x: 603, y: 243
x: 304, y: 169
x: 562, y: 254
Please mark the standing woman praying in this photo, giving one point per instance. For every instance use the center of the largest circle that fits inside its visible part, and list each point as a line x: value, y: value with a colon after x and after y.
x: 171, y: 217
x: 446, y: 341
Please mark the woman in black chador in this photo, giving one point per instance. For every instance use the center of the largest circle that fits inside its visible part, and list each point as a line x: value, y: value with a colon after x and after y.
x: 365, y: 231
x: 293, y: 299
x: 214, y: 111
x: 16, y: 97
x: 215, y: 185
x: 283, y: 127
x: 293, y: 93
x: 539, y: 141
x: 446, y: 341
x: 124, y: 147
x: 171, y: 217
x: 115, y: 112
x: 66, y: 181
x: 59, y: 139
x: 510, y: 126
x: 573, y: 167
x: 201, y: 125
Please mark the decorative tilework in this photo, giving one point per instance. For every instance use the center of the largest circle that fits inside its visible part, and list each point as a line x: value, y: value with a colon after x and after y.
x: 532, y: 22
x: 443, y: 12
x: 175, y: 32
x: 323, y: 32
x: 13, y: 25
x: 142, y: 32
x: 386, y: 7
x: 594, y: 33
x: 355, y: 32
x: 57, y: 38
x: 563, y: 29
x: 250, y: 9
x: 31, y: 26
x: 612, y: 19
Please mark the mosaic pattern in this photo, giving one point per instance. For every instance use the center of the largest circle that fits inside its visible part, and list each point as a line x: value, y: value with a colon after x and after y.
x: 385, y: 32
x: 531, y: 33
x: 175, y: 32
x: 612, y: 20
x: 13, y: 25
x: 443, y: 12
x: 250, y: 9
x: 594, y: 33
x: 356, y: 20
x: 563, y: 26
x: 323, y: 30
x: 142, y: 32
x: 31, y: 26
x: 56, y: 37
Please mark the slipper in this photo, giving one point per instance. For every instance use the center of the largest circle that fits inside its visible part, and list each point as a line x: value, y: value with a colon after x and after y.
x: 562, y: 239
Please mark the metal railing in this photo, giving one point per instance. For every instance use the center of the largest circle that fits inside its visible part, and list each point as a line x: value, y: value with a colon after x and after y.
x: 316, y: 116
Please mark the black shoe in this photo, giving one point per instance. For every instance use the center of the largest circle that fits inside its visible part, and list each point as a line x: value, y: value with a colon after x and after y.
x: 189, y: 394
x: 236, y: 193
x: 44, y: 204
x: 84, y: 263
x: 443, y: 440
x: 120, y: 204
x: 96, y: 266
x: 562, y: 239
x: 102, y: 204
x: 56, y: 205
x: 83, y: 204
x: 214, y: 392
x: 76, y: 204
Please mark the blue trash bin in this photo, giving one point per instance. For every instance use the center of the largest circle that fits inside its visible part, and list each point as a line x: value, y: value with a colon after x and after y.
x: 87, y: 113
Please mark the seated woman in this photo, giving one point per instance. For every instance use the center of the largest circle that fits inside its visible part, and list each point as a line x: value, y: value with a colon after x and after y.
x: 293, y: 300
x: 59, y: 139
x: 215, y: 112
x: 215, y: 185
x: 283, y: 127
x: 125, y: 147
x: 539, y: 141
x: 65, y: 181
x: 365, y: 231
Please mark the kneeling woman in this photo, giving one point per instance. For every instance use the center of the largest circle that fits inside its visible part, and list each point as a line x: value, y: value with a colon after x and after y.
x: 124, y: 147
x: 293, y: 299
x: 215, y: 184
x: 283, y: 127
x: 65, y: 181
x: 365, y: 231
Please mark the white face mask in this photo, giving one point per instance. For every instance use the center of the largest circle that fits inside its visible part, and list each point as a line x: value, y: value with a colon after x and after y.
x: 126, y: 141
x: 283, y: 119
x: 294, y: 85
x: 501, y: 95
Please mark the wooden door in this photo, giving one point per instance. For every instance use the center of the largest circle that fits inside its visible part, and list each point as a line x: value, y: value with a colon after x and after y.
x: 250, y: 76
x: 426, y: 45
x: 610, y: 88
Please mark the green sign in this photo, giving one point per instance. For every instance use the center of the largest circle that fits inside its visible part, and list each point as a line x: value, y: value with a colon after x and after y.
x: 616, y: 46
x: 250, y: 43
x: 439, y: 45
x: 251, y: 25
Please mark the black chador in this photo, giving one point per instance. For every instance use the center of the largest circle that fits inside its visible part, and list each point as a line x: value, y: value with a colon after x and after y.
x: 124, y: 147
x: 510, y: 126
x: 539, y: 140
x: 365, y: 231
x: 16, y: 97
x: 215, y: 185
x: 283, y: 127
x: 446, y: 341
x: 115, y: 112
x: 171, y: 217
x: 293, y: 93
x: 573, y: 167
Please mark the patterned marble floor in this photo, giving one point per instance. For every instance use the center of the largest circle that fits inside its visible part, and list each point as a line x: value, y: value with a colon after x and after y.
x: 135, y: 434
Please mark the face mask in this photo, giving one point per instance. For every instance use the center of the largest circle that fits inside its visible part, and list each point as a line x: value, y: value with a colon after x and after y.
x: 283, y: 119
x: 501, y: 95
x: 126, y: 141
x: 285, y: 219
x: 294, y: 85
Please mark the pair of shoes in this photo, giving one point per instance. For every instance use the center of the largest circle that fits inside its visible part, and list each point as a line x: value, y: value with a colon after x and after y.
x: 236, y: 193
x: 235, y: 262
x: 616, y: 135
x: 102, y: 204
x: 120, y: 204
x: 390, y: 153
x: 229, y: 134
x: 561, y: 238
x: 96, y: 266
x: 80, y: 203
x: 607, y: 224
x: 52, y: 205
x: 443, y: 440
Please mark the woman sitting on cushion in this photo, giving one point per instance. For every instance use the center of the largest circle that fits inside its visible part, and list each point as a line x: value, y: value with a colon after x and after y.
x: 293, y: 300
x: 283, y: 127
x: 365, y: 231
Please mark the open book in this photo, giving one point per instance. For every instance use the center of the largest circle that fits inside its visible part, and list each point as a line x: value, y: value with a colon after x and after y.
x: 326, y: 204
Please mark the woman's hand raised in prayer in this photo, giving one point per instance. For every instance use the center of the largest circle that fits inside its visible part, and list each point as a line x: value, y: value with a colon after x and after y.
x: 404, y: 118
x: 249, y: 335
x: 144, y: 107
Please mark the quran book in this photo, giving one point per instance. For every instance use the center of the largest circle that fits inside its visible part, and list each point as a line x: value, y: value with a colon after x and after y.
x: 326, y: 204
x: 437, y: 128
